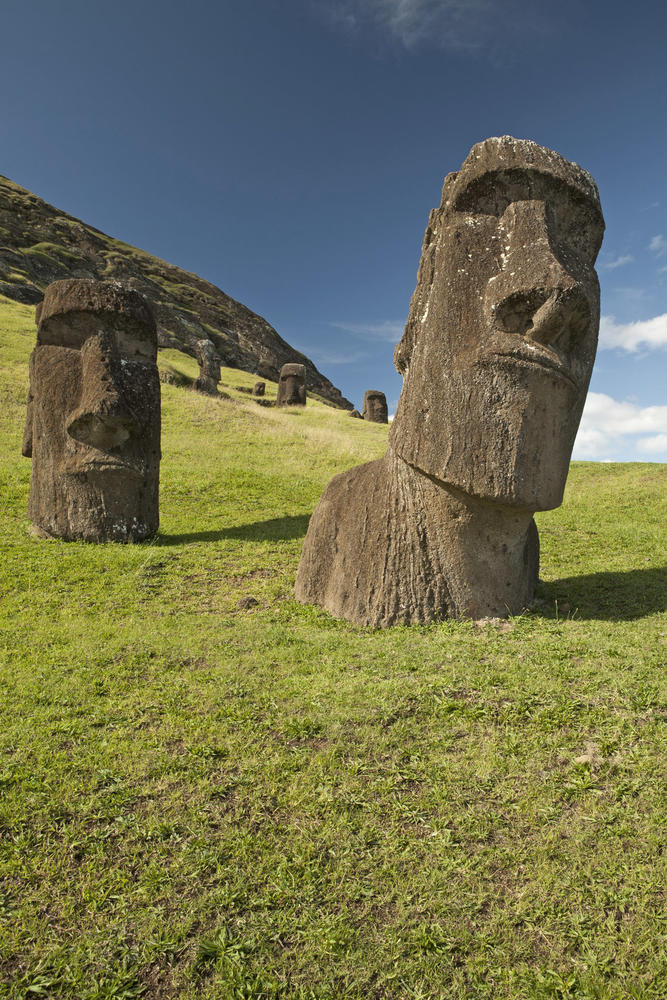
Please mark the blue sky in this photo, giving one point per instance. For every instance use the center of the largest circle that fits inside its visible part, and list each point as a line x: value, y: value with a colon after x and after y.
x: 290, y: 152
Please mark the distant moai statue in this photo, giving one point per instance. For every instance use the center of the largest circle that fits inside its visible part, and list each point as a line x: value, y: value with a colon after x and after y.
x: 259, y: 388
x: 375, y: 407
x: 292, y: 386
x: 209, y: 367
x: 496, y: 357
x: 93, y: 420
x: 354, y: 413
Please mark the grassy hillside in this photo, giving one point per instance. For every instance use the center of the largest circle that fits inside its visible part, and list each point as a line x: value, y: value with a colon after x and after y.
x: 201, y: 799
x: 39, y: 244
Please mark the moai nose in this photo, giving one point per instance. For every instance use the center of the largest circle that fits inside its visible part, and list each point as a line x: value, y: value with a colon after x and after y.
x: 103, y: 417
x: 535, y: 296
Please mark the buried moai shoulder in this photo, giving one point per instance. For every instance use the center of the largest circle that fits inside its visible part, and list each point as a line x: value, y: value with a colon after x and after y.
x: 93, y: 419
x: 375, y: 407
x: 292, y: 385
x: 209, y: 367
x: 496, y: 357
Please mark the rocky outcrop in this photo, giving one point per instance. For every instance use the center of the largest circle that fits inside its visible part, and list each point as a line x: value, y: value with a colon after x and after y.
x: 40, y: 244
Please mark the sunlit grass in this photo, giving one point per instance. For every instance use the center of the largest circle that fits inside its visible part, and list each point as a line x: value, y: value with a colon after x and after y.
x: 202, y: 797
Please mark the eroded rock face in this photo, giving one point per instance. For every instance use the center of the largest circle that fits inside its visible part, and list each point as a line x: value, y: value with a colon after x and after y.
x: 375, y: 407
x: 496, y: 357
x: 209, y: 368
x: 93, y: 421
x: 292, y: 386
x: 259, y: 388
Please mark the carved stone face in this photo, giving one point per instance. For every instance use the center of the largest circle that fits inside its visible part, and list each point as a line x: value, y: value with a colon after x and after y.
x: 500, y: 343
x: 209, y: 367
x: 93, y: 421
x: 292, y: 386
x: 375, y: 407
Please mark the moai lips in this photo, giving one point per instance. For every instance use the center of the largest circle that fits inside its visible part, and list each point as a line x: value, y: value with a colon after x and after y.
x: 496, y: 356
x: 292, y: 386
x: 375, y: 407
x: 93, y: 421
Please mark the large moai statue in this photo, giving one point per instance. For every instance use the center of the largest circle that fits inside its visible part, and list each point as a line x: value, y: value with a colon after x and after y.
x: 496, y: 357
x: 209, y: 367
x: 375, y: 407
x: 93, y: 421
x: 292, y: 386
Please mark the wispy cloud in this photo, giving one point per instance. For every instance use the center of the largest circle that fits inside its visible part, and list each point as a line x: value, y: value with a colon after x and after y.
x: 658, y: 245
x: 389, y: 331
x: 338, y: 357
x: 612, y: 429
x: 452, y: 24
x: 611, y: 265
x: 641, y: 335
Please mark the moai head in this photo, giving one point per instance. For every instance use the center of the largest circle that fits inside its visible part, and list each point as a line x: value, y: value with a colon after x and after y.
x: 93, y: 421
x: 375, y: 407
x: 292, y: 386
x: 259, y: 388
x: 354, y: 413
x: 209, y: 367
x: 499, y: 346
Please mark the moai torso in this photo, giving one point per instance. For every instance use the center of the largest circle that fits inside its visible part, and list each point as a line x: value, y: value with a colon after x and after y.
x: 93, y: 421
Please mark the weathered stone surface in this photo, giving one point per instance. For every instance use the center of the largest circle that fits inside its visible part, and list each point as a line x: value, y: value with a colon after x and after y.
x: 375, y: 407
x: 41, y: 244
x: 93, y: 421
x: 496, y: 357
x: 292, y: 386
x: 259, y: 388
x: 209, y: 368
x: 354, y: 413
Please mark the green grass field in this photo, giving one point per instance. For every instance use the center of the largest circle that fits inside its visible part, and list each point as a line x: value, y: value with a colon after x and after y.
x: 200, y: 800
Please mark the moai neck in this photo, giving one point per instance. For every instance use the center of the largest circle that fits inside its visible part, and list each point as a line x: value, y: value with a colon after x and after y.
x: 488, y: 553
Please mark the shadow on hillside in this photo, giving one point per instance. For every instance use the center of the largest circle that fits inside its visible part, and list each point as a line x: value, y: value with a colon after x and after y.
x: 610, y: 596
x: 276, y: 529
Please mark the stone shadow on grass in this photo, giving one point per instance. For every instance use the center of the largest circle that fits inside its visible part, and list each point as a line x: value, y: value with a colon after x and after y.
x: 275, y: 529
x: 621, y: 596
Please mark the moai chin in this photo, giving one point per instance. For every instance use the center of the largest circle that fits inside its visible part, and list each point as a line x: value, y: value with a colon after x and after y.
x: 292, y: 386
x: 375, y: 407
x: 209, y: 367
x: 496, y: 358
x: 93, y: 421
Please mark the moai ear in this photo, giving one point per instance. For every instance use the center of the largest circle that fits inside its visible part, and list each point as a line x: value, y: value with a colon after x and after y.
x: 26, y: 445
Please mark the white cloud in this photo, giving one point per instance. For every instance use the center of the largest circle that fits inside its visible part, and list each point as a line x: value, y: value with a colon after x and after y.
x: 642, y: 334
x: 338, y: 357
x: 614, y: 430
x: 467, y: 24
x: 658, y: 245
x: 388, y: 330
x: 613, y: 264
x: 653, y: 445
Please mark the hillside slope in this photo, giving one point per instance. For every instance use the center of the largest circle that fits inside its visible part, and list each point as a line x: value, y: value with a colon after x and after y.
x: 39, y: 244
x: 211, y: 792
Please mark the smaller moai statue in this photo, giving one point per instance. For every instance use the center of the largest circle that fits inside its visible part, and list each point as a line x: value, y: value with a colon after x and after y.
x: 209, y: 367
x: 375, y: 407
x: 354, y: 413
x: 93, y: 421
x: 292, y: 386
x: 259, y: 388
